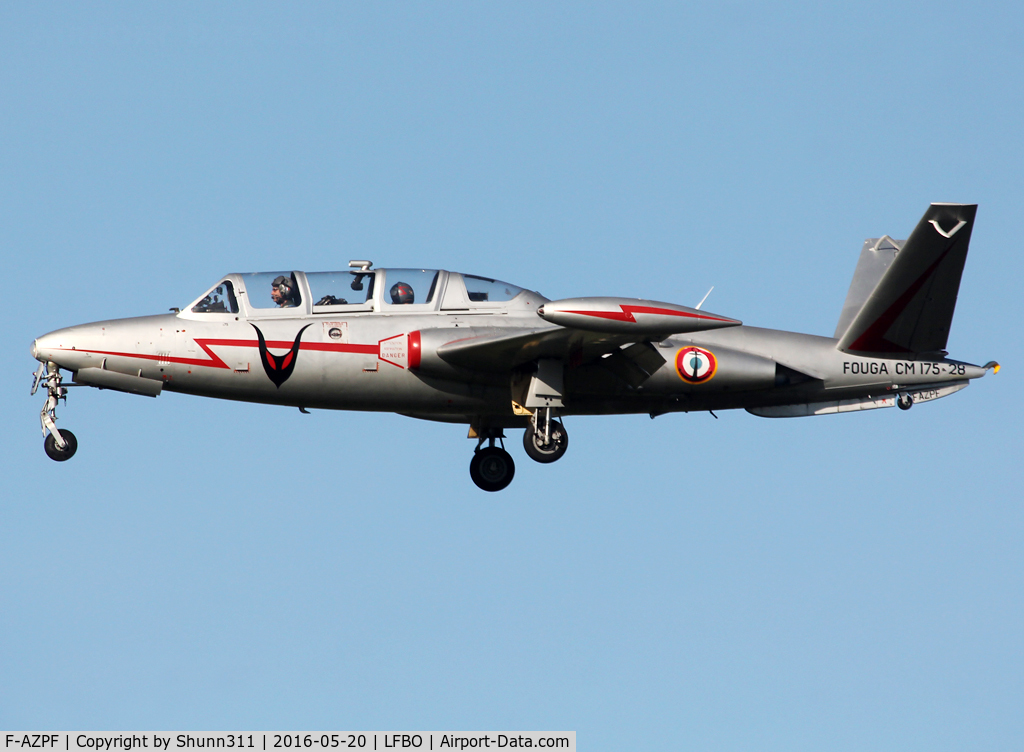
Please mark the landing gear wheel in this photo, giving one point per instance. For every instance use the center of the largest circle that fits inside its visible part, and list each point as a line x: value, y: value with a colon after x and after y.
x: 492, y: 468
x: 905, y: 402
x: 533, y: 442
x: 54, y: 452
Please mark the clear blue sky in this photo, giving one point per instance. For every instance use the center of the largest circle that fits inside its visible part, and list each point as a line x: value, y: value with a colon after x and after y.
x: 846, y: 582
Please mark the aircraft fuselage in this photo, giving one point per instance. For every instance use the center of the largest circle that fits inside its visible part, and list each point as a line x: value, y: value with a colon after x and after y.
x: 459, y: 348
x: 365, y: 365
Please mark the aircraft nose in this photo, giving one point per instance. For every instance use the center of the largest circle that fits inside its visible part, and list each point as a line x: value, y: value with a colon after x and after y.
x: 58, y: 346
x: 43, y: 347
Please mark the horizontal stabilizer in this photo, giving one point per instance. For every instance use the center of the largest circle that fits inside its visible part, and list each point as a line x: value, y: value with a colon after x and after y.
x: 875, y: 257
x: 911, y: 308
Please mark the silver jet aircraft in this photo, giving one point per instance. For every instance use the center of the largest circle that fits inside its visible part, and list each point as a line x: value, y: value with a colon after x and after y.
x: 460, y: 348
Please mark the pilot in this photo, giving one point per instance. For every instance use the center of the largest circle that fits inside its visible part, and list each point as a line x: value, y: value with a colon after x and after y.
x: 282, y: 292
x: 402, y: 294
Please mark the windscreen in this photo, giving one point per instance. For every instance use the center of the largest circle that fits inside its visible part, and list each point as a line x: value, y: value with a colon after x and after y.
x: 221, y: 299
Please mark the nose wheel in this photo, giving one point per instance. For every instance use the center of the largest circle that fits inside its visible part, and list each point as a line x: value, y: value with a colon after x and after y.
x: 59, y: 445
x: 58, y: 453
x: 491, y: 468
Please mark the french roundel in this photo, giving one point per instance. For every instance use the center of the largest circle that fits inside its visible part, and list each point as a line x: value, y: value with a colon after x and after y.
x: 695, y: 365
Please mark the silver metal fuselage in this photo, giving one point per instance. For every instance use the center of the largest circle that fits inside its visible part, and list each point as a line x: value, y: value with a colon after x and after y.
x: 377, y: 356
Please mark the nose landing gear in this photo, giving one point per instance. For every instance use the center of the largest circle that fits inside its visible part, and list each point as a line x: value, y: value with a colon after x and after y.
x: 59, y: 445
x: 491, y: 468
x: 57, y: 453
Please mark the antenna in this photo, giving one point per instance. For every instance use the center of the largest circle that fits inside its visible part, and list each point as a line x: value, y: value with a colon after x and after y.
x: 697, y: 307
x: 361, y: 265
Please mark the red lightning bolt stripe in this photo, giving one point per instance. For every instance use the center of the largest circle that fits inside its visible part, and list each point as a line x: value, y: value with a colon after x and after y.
x: 626, y: 314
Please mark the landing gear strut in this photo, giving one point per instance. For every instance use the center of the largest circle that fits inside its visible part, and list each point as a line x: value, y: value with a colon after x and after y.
x: 545, y: 439
x: 905, y: 401
x: 59, y: 445
x: 491, y: 468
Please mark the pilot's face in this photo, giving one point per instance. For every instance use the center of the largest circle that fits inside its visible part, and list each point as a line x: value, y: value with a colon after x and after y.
x: 276, y: 295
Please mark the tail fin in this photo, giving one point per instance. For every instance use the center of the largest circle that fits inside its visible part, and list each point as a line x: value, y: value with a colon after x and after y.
x: 910, y: 309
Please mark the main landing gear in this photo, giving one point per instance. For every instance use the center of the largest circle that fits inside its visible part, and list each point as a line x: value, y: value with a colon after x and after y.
x: 545, y: 439
x: 491, y: 468
x: 60, y: 445
x: 905, y: 401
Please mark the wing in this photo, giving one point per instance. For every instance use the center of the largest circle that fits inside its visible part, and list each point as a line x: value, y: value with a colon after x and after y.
x: 584, y: 329
x: 502, y: 349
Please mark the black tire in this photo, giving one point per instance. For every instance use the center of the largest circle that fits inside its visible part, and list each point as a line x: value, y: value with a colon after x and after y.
x: 553, y: 451
x: 492, y: 468
x: 905, y: 402
x: 57, y: 454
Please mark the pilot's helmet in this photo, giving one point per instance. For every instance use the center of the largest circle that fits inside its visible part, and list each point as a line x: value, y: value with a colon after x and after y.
x: 284, y: 285
x: 402, y: 294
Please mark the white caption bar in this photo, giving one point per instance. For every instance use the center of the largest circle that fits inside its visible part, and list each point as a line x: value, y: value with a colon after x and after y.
x: 293, y: 741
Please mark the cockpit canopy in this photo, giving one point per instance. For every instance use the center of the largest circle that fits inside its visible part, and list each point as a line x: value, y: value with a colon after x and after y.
x: 291, y: 293
x: 221, y: 299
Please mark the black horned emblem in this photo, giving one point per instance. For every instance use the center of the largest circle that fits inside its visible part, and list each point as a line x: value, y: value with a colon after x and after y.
x: 279, y: 367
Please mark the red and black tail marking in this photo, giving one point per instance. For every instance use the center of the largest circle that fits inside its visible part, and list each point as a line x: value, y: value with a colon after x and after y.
x: 910, y: 309
x: 279, y: 367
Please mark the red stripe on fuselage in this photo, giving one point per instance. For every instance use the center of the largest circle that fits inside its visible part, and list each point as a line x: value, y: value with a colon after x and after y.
x: 216, y: 362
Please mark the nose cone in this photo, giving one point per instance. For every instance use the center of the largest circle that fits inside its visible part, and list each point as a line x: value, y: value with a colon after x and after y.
x: 64, y: 346
x: 43, y: 348
x: 125, y: 343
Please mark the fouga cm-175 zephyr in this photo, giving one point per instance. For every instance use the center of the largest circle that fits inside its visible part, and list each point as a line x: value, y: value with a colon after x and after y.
x: 460, y: 348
